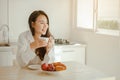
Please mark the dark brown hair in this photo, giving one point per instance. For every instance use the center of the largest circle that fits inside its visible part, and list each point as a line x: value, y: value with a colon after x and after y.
x: 42, y: 50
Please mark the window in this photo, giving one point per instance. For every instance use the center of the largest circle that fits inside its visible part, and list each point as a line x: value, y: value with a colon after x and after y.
x: 85, y: 13
x: 103, y: 16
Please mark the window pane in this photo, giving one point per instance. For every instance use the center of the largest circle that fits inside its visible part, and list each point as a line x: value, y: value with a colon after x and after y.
x: 85, y: 14
x: 108, y: 14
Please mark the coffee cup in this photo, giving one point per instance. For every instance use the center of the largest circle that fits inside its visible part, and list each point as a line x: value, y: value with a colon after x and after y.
x: 45, y: 39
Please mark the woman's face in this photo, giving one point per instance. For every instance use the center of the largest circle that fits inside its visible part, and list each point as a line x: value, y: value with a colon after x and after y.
x: 40, y: 25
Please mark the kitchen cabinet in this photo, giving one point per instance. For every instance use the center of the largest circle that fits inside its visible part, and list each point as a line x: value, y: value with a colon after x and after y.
x: 6, y: 56
x: 74, y: 52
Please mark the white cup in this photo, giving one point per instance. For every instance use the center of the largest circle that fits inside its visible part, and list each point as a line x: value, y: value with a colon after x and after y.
x: 45, y: 38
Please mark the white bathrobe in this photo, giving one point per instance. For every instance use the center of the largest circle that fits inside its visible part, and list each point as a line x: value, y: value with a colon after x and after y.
x: 25, y: 55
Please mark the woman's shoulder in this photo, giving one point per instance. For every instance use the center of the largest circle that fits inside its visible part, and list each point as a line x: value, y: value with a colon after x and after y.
x: 25, y: 34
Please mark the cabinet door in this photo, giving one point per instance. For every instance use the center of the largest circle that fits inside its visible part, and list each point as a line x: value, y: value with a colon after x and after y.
x: 68, y: 54
x: 6, y: 59
x: 74, y: 53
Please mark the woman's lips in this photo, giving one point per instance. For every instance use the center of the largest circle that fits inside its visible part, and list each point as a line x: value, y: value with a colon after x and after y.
x: 43, y: 30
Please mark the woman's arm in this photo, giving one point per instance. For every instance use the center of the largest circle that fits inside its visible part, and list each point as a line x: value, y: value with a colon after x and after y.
x: 25, y: 54
x: 50, y: 44
x: 37, y: 44
x: 50, y: 54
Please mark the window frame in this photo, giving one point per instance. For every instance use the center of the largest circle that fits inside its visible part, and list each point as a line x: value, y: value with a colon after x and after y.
x: 95, y: 15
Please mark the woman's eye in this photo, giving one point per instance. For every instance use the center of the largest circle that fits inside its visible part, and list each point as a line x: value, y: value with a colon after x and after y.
x: 41, y: 23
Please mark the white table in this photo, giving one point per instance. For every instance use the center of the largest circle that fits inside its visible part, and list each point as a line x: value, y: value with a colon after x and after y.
x: 74, y: 72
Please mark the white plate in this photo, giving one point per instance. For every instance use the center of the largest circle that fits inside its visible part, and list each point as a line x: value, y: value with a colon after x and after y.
x: 34, y: 67
x: 50, y: 72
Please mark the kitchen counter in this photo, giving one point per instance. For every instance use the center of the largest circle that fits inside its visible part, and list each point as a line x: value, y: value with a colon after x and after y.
x: 74, y: 71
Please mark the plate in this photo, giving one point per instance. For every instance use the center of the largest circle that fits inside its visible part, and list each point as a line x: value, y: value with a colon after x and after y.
x: 34, y: 67
x: 50, y: 72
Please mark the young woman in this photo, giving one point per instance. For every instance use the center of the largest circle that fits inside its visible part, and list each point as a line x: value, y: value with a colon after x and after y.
x: 31, y: 48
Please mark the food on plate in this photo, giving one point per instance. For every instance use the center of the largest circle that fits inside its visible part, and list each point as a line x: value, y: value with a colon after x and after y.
x: 56, y: 63
x: 60, y: 68
x: 56, y: 66
x: 44, y: 66
x: 51, y: 67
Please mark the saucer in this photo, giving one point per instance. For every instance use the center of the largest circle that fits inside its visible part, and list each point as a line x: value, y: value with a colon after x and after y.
x: 34, y: 67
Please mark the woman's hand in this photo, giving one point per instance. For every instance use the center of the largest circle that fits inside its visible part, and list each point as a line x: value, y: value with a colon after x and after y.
x: 38, y: 43
x: 50, y: 44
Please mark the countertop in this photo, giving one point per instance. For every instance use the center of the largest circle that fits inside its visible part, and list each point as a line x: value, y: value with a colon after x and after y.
x: 75, y: 71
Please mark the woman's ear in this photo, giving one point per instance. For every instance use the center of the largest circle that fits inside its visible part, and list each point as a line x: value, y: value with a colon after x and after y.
x: 33, y: 24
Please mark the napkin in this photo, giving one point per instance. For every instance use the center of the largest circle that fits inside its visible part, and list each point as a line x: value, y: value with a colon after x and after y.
x: 50, y: 57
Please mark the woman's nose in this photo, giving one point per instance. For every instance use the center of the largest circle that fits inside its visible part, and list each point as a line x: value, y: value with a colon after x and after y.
x: 45, y: 25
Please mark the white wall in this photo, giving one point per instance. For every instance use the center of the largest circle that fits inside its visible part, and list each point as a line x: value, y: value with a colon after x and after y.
x: 3, y: 12
x: 103, y: 52
x: 57, y: 10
